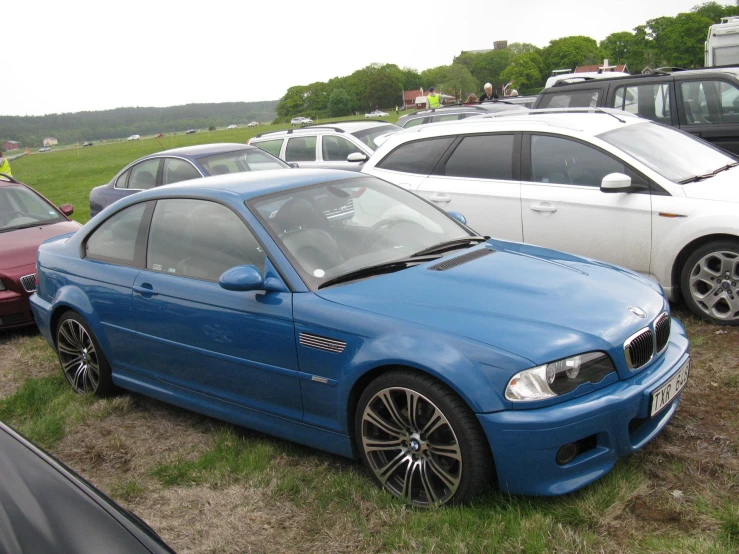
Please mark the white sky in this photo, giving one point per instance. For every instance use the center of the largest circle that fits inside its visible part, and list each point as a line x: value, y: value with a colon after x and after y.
x: 75, y: 55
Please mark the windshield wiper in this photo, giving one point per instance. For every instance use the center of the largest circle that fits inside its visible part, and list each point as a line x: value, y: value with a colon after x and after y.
x: 695, y: 178
x: 725, y: 167
x: 379, y: 269
x: 450, y: 245
x: 24, y: 226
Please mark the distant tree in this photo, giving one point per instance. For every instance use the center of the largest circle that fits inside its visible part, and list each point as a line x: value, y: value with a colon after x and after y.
x: 569, y: 52
x: 715, y: 11
x: 316, y: 96
x: 679, y: 40
x: 293, y: 102
x: 618, y: 46
x: 523, y: 48
x: 212, y: 128
x: 524, y: 71
x: 339, y: 103
x: 411, y: 79
x: 456, y: 79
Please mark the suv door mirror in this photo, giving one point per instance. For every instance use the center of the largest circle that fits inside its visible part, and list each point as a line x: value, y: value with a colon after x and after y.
x: 616, y: 182
x: 356, y: 157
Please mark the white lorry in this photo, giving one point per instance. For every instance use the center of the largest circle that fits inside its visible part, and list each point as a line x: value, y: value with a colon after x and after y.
x: 722, y: 45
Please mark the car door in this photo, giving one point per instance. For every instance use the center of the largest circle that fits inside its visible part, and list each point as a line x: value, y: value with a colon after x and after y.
x: 563, y: 207
x: 238, y: 346
x: 710, y: 110
x: 334, y: 152
x: 479, y: 178
x: 649, y: 98
x: 302, y: 150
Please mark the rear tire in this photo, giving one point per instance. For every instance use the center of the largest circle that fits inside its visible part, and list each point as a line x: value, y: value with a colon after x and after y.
x: 710, y: 282
x: 421, y: 441
x: 81, y: 358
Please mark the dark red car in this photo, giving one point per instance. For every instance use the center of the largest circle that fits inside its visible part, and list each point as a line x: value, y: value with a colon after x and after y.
x: 26, y: 220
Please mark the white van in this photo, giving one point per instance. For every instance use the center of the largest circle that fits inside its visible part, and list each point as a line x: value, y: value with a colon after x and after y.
x: 722, y: 45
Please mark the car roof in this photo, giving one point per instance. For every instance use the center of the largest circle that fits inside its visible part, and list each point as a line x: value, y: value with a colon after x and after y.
x: 658, y: 73
x: 346, y: 126
x: 252, y: 184
x: 203, y: 149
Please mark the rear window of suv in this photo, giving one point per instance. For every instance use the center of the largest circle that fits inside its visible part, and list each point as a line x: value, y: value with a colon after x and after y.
x: 418, y: 157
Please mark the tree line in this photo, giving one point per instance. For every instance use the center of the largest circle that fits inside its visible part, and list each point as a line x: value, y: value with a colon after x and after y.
x: 663, y: 41
x: 69, y: 128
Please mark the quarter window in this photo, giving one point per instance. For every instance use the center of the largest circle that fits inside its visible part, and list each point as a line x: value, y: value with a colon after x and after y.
x: 413, y: 122
x: 271, y: 146
x: 115, y: 240
x: 301, y: 149
x: 176, y: 170
x: 482, y: 157
x: 144, y: 175
x: 563, y: 161
x: 122, y: 181
x: 418, y: 157
x: 199, y: 239
x: 648, y: 101
x: 336, y: 149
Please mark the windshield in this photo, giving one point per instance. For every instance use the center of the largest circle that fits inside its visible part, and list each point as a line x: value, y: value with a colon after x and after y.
x: 21, y: 207
x: 368, y: 136
x: 240, y: 160
x: 673, y: 154
x: 335, y: 228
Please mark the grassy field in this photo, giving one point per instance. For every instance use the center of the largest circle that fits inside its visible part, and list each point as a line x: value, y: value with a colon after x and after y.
x: 209, y: 487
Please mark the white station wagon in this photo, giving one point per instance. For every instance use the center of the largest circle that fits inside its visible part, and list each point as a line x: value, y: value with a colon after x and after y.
x: 598, y: 183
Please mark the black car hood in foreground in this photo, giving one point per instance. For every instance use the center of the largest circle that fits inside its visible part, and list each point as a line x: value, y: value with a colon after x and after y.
x: 45, y: 507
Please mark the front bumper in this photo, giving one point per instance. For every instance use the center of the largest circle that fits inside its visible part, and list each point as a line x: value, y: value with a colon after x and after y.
x: 14, y: 308
x: 611, y: 422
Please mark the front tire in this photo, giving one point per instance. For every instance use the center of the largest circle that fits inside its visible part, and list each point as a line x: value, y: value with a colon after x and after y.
x: 420, y: 440
x: 81, y: 358
x: 710, y: 282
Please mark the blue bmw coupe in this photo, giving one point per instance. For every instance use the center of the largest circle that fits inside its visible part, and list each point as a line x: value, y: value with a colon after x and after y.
x: 342, y: 312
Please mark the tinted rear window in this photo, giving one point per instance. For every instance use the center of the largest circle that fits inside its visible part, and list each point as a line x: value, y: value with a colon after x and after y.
x: 482, y: 157
x: 418, y: 157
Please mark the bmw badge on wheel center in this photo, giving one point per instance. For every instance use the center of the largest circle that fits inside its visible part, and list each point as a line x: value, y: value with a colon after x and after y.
x: 342, y: 312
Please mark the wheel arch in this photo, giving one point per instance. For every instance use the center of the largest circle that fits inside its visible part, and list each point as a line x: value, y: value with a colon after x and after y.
x: 688, y: 249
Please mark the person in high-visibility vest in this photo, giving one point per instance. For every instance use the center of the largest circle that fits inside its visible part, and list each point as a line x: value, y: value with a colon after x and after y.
x: 432, y: 100
x: 4, y: 165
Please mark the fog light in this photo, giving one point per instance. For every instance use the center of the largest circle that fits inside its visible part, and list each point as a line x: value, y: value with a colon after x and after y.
x: 567, y: 453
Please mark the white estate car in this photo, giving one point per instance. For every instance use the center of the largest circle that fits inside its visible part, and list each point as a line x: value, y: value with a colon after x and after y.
x: 376, y: 113
x: 134, y: 137
x: 232, y: 126
x: 598, y: 183
x: 252, y: 124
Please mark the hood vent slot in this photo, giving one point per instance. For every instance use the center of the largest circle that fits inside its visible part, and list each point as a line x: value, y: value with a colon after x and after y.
x: 463, y: 259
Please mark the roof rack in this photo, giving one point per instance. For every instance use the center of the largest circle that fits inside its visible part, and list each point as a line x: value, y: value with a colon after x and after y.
x: 613, y: 112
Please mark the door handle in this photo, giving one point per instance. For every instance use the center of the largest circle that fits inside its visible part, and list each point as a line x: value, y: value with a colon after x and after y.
x: 440, y: 198
x: 145, y: 289
x: 543, y: 208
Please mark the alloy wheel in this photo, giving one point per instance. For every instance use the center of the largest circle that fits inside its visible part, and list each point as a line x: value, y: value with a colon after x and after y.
x: 411, y: 447
x: 714, y: 285
x: 78, y: 356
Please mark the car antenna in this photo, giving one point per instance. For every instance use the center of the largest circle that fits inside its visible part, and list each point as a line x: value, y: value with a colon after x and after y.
x: 598, y: 110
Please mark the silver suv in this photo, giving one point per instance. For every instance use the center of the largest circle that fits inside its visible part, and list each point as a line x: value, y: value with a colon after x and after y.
x: 339, y: 145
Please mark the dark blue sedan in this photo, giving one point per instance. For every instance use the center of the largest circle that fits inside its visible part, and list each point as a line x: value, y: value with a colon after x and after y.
x: 181, y: 164
x: 345, y: 313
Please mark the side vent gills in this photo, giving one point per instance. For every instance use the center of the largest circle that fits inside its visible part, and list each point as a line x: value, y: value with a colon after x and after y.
x: 459, y: 260
x: 322, y: 343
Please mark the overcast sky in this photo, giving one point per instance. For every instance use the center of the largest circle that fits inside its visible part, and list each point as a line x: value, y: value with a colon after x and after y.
x: 76, y: 55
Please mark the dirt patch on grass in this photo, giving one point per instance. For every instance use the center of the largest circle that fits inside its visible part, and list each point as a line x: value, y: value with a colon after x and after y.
x: 23, y: 354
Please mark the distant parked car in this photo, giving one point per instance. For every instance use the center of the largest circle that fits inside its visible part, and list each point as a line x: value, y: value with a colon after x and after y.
x: 253, y: 124
x: 45, y: 149
x: 88, y: 143
x: 339, y: 145
x: 376, y: 113
x: 134, y: 137
x: 41, y: 496
x: 181, y: 164
x: 26, y: 220
x: 301, y: 121
x: 159, y: 135
x: 231, y: 127
x: 455, y: 112
x: 191, y: 131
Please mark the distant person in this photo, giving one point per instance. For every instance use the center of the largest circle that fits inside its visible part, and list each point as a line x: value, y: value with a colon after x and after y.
x: 4, y: 165
x: 488, y: 95
x: 471, y: 99
x: 432, y: 99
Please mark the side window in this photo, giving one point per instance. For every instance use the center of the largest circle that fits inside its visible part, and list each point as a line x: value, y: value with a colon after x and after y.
x: 446, y: 117
x: 710, y: 102
x: 482, y: 157
x: 336, y: 149
x: 564, y: 161
x: 301, y: 149
x: 199, y: 239
x: 413, y: 122
x: 122, y: 181
x: 419, y: 156
x: 176, y: 170
x: 574, y: 99
x: 648, y: 101
x: 115, y: 240
x: 144, y: 175
x: 271, y: 146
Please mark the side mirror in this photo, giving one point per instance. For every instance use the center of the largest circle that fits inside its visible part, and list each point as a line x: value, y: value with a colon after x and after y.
x: 241, y: 278
x: 294, y: 165
x: 67, y: 209
x: 616, y: 182
x: 458, y: 216
x: 356, y: 157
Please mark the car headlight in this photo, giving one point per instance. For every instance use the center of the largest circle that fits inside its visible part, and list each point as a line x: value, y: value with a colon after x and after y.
x: 560, y: 377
